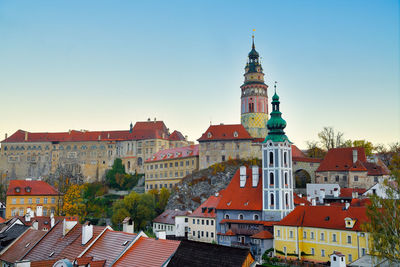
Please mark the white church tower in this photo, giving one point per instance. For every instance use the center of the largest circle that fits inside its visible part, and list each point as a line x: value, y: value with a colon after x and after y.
x: 277, y: 168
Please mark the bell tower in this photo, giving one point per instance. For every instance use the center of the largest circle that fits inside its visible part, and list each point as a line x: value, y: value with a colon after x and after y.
x: 254, y: 98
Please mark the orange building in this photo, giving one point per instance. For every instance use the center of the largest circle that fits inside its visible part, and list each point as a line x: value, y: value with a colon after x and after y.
x: 31, y: 195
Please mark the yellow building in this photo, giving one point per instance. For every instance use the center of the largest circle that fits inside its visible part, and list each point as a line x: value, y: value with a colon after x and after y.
x: 34, y: 195
x: 313, y: 233
x: 167, y: 167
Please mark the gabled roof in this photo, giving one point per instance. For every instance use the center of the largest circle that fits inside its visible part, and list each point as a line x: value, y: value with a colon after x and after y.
x: 11, y: 233
x: 225, y: 132
x: 242, y: 198
x: 328, y: 217
x: 30, y: 188
x: 175, y: 153
x: 168, y: 216
x: 148, y: 252
x: 341, y: 159
x: 191, y: 253
x: 22, y: 245
x: 208, y: 208
x: 109, y: 246
x: 300, y: 200
x: 263, y: 235
x: 68, y: 246
x: 296, y: 152
x: 176, y: 136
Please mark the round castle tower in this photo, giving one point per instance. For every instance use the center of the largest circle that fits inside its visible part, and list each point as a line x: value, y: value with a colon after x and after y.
x: 254, y: 99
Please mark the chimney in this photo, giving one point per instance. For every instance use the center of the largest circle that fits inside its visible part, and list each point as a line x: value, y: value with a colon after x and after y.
x: 69, y: 131
x: 355, y: 156
x: 216, y: 194
x: 5, y: 136
x: 39, y: 210
x: 336, y: 192
x: 161, y: 235
x: 99, y: 137
x: 87, y: 232
x: 28, y: 215
x: 313, y: 202
x: 255, y: 176
x: 26, y: 136
x: 35, y: 225
x: 52, y: 220
x: 148, y: 120
x: 346, y: 205
x: 155, y: 119
x: 321, y: 195
x: 128, y: 225
x: 242, y: 176
x: 354, y: 194
x: 68, y: 224
x: 108, y: 136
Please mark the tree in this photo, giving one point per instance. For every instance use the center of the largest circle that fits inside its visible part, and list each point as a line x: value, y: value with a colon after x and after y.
x: 384, y: 215
x: 117, y: 170
x: 73, y: 201
x: 329, y: 139
x: 314, y: 151
x: 368, y: 146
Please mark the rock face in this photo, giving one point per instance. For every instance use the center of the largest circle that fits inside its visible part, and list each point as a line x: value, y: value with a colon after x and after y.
x: 195, y: 188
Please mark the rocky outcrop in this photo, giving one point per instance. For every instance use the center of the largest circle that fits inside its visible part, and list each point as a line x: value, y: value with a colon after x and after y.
x: 195, y: 188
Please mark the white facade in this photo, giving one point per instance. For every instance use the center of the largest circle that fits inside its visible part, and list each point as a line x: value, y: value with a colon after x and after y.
x: 181, y: 225
x: 202, y: 229
x: 168, y: 228
x: 314, y: 191
x: 277, y: 180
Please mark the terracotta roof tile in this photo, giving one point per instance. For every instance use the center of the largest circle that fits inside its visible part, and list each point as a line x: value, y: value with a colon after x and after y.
x: 207, y: 208
x: 30, y: 188
x: 299, y: 200
x: 25, y: 242
x: 225, y: 132
x: 242, y: 198
x: 329, y: 217
x: 296, y: 152
x: 148, y: 252
x: 168, y: 216
x: 348, y: 192
x: 176, y: 136
x: 175, y: 153
x: 109, y: 246
x: 263, y: 235
x: 44, y: 263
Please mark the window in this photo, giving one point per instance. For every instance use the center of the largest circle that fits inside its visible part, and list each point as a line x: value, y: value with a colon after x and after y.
x: 202, y: 222
x: 14, y: 201
x: 256, y: 218
x: 21, y: 201
x: 194, y: 234
x: 286, y: 178
x: 312, y: 251
x: 186, y: 219
x: 304, y: 235
x: 208, y: 158
x: 21, y: 212
x: 333, y: 237
x: 171, y: 165
x: 326, y: 179
x: 226, y: 216
x: 350, y: 258
x: 212, y: 222
x: 312, y: 235
x: 322, y: 237
x: 223, y: 158
x: 278, y: 233
x: 29, y: 200
x: 287, y: 199
x: 363, y: 252
x: 176, y: 164
x: 37, y: 200
x: 271, y: 158
x: 355, y: 179
x: 207, y: 222
x: 376, y: 179
x: 285, y: 158
x: 240, y: 216
x: 202, y: 233
x: 337, y: 178
x: 344, y: 177
x: 206, y: 234
x: 290, y: 234
x: 198, y: 221
x: 44, y: 212
x: 194, y: 221
x: 271, y: 179
x: 272, y: 199
x: 349, y: 239
x: 322, y: 253
x: 212, y: 235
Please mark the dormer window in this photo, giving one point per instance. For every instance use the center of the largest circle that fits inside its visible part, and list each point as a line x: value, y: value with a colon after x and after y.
x: 28, y: 189
x: 235, y: 134
x: 209, y: 135
x: 17, y: 189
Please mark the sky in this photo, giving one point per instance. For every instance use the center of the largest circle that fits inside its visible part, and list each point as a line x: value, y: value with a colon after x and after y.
x: 99, y: 65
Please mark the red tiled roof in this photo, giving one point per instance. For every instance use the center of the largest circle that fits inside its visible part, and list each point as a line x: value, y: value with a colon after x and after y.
x: 43, y: 221
x: 263, y: 235
x: 209, y: 207
x: 37, y: 188
x: 299, y: 200
x: 296, y: 152
x: 44, y: 263
x: 148, y: 252
x: 2, y: 220
x: 68, y: 246
x: 174, y: 153
x: 150, y: 125
x: 228, y: 233
x: 225, y: 132
x: 348, y: 192
x: 109, y: 246
x: 341, y: 159
x: 83, y: 260
x: 242, y: 198
x: 25, y: 242
x: 329, y: 217
x: 168, y: 216
x: 176, y: 136
x: 359, y: 202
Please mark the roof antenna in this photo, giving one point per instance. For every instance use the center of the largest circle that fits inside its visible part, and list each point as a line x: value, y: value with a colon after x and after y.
x: 275, y: 86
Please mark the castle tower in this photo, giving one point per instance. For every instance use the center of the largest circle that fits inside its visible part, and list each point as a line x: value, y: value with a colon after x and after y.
x: 254, y: 99
x: 277, y: 168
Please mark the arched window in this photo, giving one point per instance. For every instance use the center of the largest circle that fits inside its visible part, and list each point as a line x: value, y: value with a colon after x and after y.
x: 226, y: 216
x: 286, y: 178
x: 272, y: 200
x: 129, y: 165
x: 256, y: 217
x: 271, y: 178
x: 287, y: 199
x: 271, y: 158
x: 240, y: 217
x: 285, y: 158
x: 139, y: 161
x: 251, y: 107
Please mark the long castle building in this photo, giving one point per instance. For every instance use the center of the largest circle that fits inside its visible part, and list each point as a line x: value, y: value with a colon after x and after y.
x: 86, y: 154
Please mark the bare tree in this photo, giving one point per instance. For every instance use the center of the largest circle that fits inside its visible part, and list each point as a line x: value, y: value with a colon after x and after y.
x: 329, y: 139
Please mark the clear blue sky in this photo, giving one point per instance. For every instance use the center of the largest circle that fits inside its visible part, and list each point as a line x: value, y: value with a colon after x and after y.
x: 99, y: 65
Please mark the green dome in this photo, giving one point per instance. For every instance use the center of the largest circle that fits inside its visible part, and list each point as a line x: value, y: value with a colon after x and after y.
x: 275, y: 97
x: 276, y: 124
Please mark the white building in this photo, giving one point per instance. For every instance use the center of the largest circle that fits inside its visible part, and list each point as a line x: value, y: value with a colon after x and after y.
x: 173, y: 222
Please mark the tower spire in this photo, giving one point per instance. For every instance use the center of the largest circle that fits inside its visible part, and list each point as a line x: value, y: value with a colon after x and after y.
x: 252, y: 37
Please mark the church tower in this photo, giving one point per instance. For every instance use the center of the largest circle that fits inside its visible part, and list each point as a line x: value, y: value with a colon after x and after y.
x: 254, y: 99
x: 277, y: 168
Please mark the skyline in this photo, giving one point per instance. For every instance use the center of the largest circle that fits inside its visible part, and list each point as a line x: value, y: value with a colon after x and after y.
x: 99, y: 65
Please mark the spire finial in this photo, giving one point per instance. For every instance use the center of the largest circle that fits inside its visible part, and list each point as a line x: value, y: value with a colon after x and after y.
x: 252, y: 36
x: 275, y: 86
